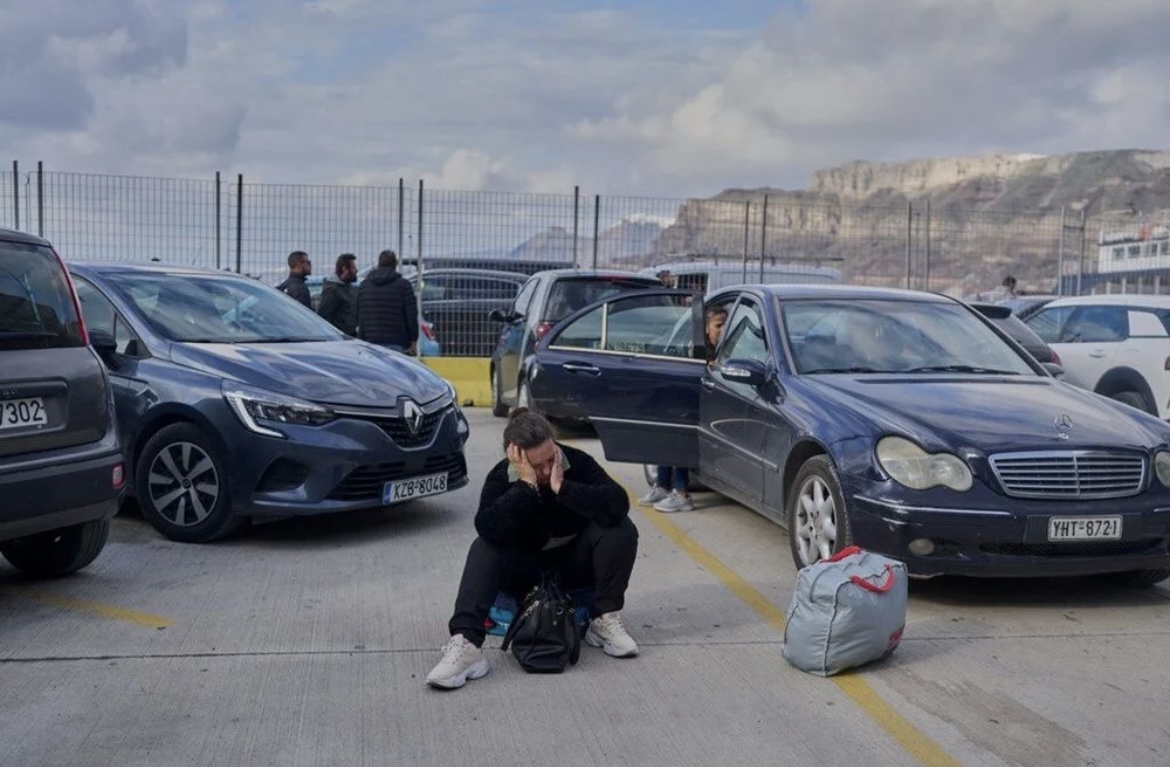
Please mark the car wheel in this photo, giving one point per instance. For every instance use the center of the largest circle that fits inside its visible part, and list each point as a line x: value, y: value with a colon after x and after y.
x: 183, y: 488
x: 57, y: 552
x: 1134, y: 399
x: 818, y: 526
x: 499, y: 409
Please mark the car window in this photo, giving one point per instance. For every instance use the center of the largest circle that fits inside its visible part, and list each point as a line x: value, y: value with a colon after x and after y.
x: 744, y: 337
x: 101, y: 315
x: 893, y: 336
x: 214, y: 308
x: 524, y: 297
x: 490, y: 287
x: 1146, y: 324
x: 1097, y: 324
x: 570, y: 294
x: 434, y: 288
x: 36, y: 304
x: 1049, y: 322
x: 655, y: 325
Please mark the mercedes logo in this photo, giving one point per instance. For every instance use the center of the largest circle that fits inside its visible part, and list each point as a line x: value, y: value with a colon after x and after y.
x: 1063, y: 424
x: 412, y: 414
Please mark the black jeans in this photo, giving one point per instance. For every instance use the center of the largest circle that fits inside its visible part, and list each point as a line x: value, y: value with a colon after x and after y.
x: 600, y: 557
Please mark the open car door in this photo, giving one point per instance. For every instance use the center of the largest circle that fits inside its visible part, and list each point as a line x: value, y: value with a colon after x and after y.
x: 632, y: 364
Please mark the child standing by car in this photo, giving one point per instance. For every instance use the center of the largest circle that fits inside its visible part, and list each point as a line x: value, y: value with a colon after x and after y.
x: 671, y: 486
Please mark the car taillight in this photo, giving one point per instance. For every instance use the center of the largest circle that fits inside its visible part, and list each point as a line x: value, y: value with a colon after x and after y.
x: 119, y: 476
x: 81, y: 330
x: 428, y: 330
x: 542, y: 330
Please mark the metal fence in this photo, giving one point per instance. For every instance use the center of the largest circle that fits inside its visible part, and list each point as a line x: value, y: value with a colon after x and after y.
x: 230, y: 223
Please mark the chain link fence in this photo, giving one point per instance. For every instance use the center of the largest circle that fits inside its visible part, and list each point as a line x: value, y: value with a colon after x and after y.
x: 230, y: 223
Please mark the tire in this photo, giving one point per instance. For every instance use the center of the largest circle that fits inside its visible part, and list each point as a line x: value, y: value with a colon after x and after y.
x: 499, y: 409
x: 57, y: 552
x: 814, y: 503
x: 190, y: 499
x: 1142, y: 579
x: 1134, y: 399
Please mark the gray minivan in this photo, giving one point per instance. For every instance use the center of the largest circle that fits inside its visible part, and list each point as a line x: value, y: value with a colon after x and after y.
x: 62, y: 474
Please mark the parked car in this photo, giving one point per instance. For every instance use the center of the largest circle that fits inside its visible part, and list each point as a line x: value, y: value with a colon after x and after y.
x: 458, y: 302
x: 1115, y: 345
x: 546, y: 298
x: 236, y: 403
x: 61, y: 467
x: 899, y: 421
x: 428, y: 344
x: 1003, y: 318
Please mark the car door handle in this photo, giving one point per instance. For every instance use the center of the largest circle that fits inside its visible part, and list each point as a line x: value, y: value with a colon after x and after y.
x: 707, y: 383
x: 1097, y: 354
x: 580, y: 367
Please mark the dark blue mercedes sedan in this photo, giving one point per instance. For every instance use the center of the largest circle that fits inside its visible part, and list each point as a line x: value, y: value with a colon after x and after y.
x: 903, y: 422
x: 235, y: 402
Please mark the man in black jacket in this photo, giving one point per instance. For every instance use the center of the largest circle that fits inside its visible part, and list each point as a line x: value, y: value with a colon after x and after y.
x: 339, y: 296
x: 387, y: 309
x: 545, y: 507
x: 299, y: 267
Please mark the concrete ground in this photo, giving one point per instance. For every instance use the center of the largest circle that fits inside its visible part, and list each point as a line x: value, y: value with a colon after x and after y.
x: 306, y: 643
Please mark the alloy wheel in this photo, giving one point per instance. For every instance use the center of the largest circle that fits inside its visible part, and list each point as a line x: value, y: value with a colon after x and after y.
x: 816, y: 521
x: 184, y: 484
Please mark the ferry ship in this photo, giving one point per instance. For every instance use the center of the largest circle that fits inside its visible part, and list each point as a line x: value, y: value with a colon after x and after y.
x: 1133, y: 242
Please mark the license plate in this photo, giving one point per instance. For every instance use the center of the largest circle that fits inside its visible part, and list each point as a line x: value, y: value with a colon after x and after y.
x: 17, y: 413
x: 1084, y: 529
x: 416, y: 487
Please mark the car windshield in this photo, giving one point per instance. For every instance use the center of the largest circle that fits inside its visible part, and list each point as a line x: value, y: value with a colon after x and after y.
x: 569, y: 295
x: 891, y: 336
x: 36, y: 305
x: 198, y: 308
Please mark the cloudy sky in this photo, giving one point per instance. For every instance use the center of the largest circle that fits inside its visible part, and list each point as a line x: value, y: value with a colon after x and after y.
x: 663, y: 97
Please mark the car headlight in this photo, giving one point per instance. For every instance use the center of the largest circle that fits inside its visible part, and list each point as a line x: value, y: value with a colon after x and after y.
x: 910, y: 465
x: 1162, y: 467
x: 252, y: 405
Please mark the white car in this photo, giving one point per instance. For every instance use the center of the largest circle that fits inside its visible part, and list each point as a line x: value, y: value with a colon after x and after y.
x: 1116, y: 345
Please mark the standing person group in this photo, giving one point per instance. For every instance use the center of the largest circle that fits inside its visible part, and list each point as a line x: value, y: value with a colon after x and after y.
x: 382, y: 310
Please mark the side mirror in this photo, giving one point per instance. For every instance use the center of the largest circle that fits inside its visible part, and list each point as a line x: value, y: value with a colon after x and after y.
x: 1056, y: 370
x: 102, y: 342
x: 750, y: 372
x: 498, y: 315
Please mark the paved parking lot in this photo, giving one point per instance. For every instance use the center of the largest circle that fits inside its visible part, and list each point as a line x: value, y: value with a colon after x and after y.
x: 306, y: 643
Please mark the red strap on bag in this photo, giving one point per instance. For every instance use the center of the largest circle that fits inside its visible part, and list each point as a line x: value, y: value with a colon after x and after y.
x: 848, y: 551
x: 863, y: 583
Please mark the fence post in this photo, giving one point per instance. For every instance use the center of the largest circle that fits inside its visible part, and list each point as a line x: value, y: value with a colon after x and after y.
x: 401, y: 213
x: 1081, y: 268
x: 218, y: 221
x: 15, y: 194
x: 40, y: 199
x: 926, y: 266
x: 747, y: 222
x: 240, y: 223
x: 909, y: 241
x: 596, y: 226
x: 576, y: 218
x: 1060, y: 253
x: 421, y: 276
x: 763, y: 237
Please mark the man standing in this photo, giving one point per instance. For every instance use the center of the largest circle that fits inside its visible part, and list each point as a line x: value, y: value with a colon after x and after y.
x: 387, y: 309
x: 299, y: 267
x: 546, y: 506
x: 339, y: 296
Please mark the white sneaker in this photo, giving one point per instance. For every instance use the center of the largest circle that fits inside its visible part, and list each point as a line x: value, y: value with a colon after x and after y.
x: 655, y: 495
x: 676, y: 501
x: 607, y: 632
x: 461, y: 661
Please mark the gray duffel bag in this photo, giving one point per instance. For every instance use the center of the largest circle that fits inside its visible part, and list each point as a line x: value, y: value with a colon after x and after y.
x: 845, y: 612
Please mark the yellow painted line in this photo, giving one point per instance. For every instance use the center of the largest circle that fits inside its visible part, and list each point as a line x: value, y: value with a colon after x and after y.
x: 914, y: 741
x: 101, y: 609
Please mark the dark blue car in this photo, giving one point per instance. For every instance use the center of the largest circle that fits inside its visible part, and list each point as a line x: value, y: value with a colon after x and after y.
x: 235, y: 402
x: 903, y: 422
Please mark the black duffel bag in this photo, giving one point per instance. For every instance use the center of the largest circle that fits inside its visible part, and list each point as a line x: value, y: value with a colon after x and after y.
x: 544, y: 636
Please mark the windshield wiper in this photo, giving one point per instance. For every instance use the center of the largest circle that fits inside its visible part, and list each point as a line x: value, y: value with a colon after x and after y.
x: 281, y: 340
x: 856, y: 369
x: 961, y: 369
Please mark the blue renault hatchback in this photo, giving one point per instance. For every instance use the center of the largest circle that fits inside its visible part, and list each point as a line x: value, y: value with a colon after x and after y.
x: 903, y: 422
x: 235, y: 402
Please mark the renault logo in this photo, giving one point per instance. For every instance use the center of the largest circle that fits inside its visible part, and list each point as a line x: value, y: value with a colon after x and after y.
x: 412, y: 414
x: 1063, y: 424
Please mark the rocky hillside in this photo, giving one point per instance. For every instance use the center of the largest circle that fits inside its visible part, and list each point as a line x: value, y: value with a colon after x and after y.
x: 955, y: 224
